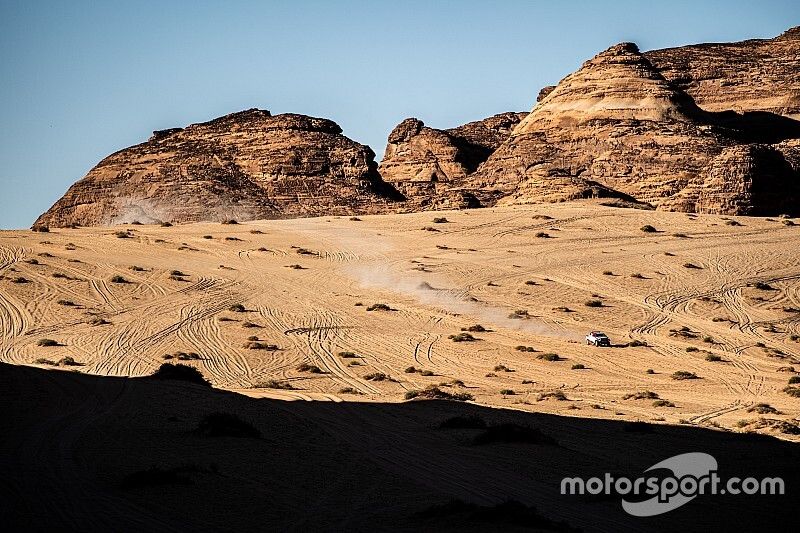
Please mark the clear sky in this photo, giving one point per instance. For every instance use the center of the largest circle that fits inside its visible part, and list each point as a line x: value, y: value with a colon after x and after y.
x: 82, y: 79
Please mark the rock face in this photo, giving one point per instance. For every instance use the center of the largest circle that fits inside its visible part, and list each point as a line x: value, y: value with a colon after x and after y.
x: 617, y: 127
x: 243, y: 166
x: 753, y: 75
x: 430, y: 165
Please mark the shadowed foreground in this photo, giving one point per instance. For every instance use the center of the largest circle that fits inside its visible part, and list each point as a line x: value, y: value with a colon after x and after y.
x: 72, y: 443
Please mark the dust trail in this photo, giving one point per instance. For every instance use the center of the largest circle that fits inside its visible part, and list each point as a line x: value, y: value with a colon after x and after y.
x: 428, y: 288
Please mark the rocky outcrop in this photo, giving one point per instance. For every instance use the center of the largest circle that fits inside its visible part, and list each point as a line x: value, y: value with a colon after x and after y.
x: 429, y: 166
x: 752, y: 75
x: 617, y: 127
x: 247, y: 165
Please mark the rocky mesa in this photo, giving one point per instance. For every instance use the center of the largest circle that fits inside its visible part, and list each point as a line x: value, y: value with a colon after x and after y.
x: 246, y: 165
x: 618, y: 127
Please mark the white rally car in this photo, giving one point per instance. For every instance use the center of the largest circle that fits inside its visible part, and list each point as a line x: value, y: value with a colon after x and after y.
x: 598, y: 338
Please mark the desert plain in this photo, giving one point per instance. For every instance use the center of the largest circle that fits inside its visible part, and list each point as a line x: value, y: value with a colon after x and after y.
x: 331, y: 333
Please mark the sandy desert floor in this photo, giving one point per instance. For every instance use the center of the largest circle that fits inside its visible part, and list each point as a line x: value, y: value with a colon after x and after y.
x: 712, y: 295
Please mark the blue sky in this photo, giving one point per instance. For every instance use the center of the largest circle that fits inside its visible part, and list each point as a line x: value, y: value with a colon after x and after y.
x: 83, y: 79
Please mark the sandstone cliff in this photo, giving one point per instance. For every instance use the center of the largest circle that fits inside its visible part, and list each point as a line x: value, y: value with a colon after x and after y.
x: 430, y: 165
x: 245, y: 165
x: 618, y: 127
x: 752, y: 75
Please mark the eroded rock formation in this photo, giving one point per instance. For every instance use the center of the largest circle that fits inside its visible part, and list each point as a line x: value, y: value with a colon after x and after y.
x: 618, y: 127
x: 429, y: 165
x: 245, y: 166
x: 752, y: 75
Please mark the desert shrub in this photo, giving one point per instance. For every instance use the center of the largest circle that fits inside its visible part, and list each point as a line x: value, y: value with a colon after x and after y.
x: 507, y: 392
x: 66, y: 303
x: 440, y: 220
x: 528, y: 382
x: 166, y: 224
x: 607, y: 273
x: 509, y: 432
x: 229, y: 238
x: 794, y: 379
x: 237, y: 308
x: 649, y: 371
x: 462, y: 337
x: 258, y: 345
x: 491, y: 375
x: 32, y: 261
x: 786, y: 369
x: 40, y: 229
x: 641, y: 395
x: 99, y: 321
x: 376, y: 376
x: 792, y: 391
x: 555, y: 395
x: 549, y: 357
x: 354, y: 219
x: 530, y: 282
x: 252, y: 338
x: 230, y: 221
x: 429, y: 228
x: 713, y: 358
x: 647, y: 228
x: 348, y: 355
x: 426, y: 373
x: 177, y: 273
x: 311, y: 369
x: 379, y: 307
x: 519, y: 314
x: 226, y: 425
x: 708, y: 339
x: 137, y: 268
x: 637, y: 275
x: 762, y: 286
x: 463, y: 422
x: 250, y: 325
x: 680, y: 235
x: 179, y: 372
x: 663, y: 403
x: 691, y: 349
x: 59, y: 275
x: 732, y: 223
x: 593, y: 303
x: 122, y: 235
x: 578, y: 366
x: 435, y: 393
x: 683, y: 374
x: 274, y: 384
x: 762, y: 409
x: 477, y: 328
x: 691, y: 265
x: 20, y: 279
x: 47, y: 342
x: 348, y: 390
x: 410, y: 370
x: 636, y: 343
x: 502, y: 368
x: 296, y: 267
x: 43, y: 361
x: 118, y: 279
x: 522, y: 348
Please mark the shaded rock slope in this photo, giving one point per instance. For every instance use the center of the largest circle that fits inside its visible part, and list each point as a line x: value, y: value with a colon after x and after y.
x: 429, y: 165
